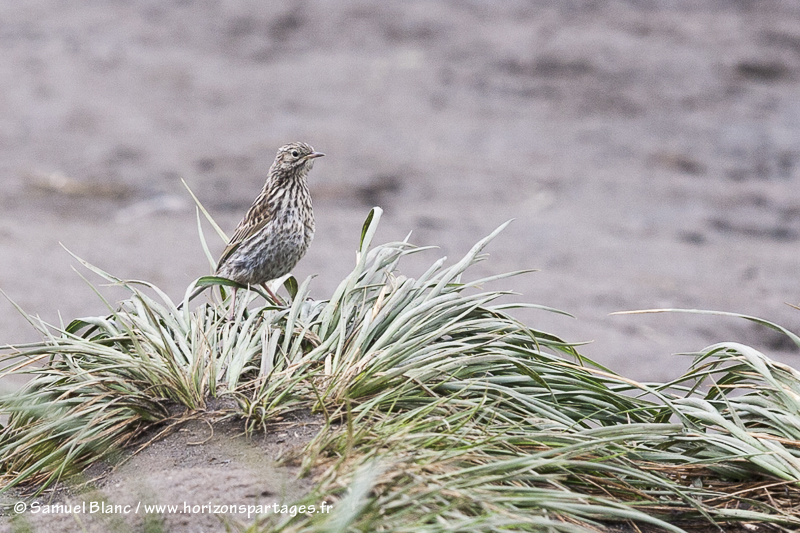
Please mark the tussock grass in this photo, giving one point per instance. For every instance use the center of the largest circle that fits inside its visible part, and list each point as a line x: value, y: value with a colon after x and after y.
x: 443, y: 412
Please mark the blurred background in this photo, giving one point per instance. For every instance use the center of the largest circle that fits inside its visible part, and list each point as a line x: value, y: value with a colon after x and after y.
x: 649, y: 155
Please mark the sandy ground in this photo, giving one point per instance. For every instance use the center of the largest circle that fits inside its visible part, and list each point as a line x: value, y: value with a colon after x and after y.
x: 201, y: 477
x: 648, y: 154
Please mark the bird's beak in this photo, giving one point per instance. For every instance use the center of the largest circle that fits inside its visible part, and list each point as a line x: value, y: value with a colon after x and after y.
x: 314, y: 155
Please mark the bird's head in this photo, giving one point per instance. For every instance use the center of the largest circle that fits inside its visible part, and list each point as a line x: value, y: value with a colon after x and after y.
x: 295, y: 156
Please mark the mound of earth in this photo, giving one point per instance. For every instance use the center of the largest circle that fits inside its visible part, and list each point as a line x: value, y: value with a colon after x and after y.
x: 200, y: 476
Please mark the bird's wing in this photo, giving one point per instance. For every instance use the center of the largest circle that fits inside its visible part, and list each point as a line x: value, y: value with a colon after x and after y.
x: 257, y: 217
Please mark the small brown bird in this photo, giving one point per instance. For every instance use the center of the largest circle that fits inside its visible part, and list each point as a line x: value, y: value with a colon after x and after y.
x: 278, y: 228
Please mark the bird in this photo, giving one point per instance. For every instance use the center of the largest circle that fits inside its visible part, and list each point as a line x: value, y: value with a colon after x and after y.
x: 277, y: 230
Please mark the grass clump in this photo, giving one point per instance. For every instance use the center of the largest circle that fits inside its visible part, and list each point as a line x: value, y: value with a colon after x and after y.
x: 443, y: 412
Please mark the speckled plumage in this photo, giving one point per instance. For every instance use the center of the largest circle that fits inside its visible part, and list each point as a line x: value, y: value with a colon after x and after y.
x: 279, y: 226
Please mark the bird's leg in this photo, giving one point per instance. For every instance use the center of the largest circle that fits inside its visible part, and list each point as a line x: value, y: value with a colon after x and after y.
x: 233, y: 304
x: 272, y: 295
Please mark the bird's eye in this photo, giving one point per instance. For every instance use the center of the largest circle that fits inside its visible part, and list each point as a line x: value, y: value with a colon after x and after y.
x: 294, y: 153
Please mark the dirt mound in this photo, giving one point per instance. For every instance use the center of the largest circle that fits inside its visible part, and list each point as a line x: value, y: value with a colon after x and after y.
x: 198, y: 476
